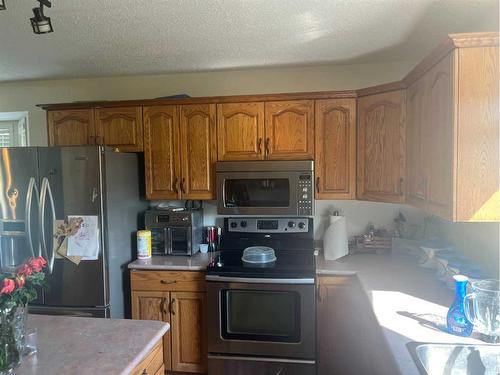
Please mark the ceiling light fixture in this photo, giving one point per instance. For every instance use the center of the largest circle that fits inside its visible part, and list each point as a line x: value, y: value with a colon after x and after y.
x: 2, y: 4
x: 40, y: 23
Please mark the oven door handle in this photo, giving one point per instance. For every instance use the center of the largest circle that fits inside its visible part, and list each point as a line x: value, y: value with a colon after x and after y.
x: 261, y: 359
x: 256, y: 280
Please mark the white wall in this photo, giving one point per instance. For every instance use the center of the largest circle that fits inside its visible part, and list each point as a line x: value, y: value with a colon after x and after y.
x: 23, y: 96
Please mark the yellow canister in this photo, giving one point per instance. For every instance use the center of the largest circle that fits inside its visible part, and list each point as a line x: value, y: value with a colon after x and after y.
x: 143, y: 244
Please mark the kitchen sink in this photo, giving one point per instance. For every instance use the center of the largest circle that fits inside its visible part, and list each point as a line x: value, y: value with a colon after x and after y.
x: 455, y: 359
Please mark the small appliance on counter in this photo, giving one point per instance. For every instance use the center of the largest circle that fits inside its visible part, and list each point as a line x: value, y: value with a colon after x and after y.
x: 212, y: 236
x: 175, y: 231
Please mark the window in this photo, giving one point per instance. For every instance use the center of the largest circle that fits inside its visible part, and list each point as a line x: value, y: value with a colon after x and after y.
x: 13, y: 129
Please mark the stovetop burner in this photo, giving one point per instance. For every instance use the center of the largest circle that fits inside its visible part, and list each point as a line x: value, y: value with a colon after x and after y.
x: 291, y: 238
x: 287, y: 265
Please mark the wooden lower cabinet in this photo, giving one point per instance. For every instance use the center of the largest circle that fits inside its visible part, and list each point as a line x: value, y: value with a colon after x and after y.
x: 178, y: 298
x: 349, y: 338
x: 153, y: 363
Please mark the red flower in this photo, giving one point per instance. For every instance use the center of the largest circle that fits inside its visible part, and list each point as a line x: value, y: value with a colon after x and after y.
x: 25, y: 270
x: 20, y: 281
x: 8, y: 286
x: 37, y: 264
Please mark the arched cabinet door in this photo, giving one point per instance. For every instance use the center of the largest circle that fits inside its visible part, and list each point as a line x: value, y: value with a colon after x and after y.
x: 240, y: 131
x: 120, y: 128
x: 335, y: 148
x: 71, y: 127
x: 161, y: 152
x: 198, y: 143
x: 289, y: 130
x: 381, y: 147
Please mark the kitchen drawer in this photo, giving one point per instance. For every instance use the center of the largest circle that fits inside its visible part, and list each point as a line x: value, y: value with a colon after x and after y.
x: 227, y: 365
x: 153, y: 362
x: 175, y: 281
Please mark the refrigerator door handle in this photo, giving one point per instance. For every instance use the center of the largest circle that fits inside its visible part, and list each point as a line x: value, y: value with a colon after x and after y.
x: 43, y: 196
x: 29, y: 198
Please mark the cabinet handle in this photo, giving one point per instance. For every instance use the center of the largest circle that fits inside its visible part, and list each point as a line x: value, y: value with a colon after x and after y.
x: 259, y: 145
x: 174, y: 185
x: 267, y: 145
x: 168, y: 282
x: 318, y: 290
x: 401, y: 186
x: 144, y: 372
x: 183, y: 187
x: 172, y: 310
x: 317, y: 184
x: 164, y: 306
x: 92, y: 140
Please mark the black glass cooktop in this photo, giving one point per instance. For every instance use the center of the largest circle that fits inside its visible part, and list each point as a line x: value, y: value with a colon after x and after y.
x: 296, y: 264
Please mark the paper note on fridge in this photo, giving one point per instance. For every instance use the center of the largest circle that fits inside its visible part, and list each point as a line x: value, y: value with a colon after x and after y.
x: 85, y: 242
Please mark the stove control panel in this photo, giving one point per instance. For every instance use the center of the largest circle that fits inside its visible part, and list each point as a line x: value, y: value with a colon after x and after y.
x: 268, y: 225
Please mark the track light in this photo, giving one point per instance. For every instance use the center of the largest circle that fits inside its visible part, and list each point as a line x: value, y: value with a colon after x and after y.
x: 40, y: 23
x: 2, y: 4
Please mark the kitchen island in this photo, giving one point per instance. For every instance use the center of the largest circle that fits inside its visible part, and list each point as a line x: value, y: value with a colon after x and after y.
x: 75, y: 345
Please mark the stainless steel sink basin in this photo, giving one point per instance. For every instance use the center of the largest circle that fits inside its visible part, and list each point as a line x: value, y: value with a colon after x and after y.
x: 455, y: 359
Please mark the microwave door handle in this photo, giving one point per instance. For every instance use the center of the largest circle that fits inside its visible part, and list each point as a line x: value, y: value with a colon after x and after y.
x: 29, y: 198
x: 168, y: 241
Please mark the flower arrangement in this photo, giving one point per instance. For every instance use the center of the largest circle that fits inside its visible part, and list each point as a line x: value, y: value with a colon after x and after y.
x: 19, y: 289
x: 16, y: 291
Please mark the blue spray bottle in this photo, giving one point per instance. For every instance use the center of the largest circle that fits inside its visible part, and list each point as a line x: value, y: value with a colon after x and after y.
x: 456, y: 320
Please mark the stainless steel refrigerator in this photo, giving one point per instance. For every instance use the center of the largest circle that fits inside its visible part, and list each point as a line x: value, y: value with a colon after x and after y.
x: 41, y: 184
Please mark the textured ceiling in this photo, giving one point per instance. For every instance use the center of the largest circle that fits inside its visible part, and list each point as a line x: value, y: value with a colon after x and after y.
x: 122, y: 37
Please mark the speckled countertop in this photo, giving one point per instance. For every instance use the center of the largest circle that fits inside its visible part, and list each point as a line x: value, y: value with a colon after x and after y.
x: 408, y: 301
x: 74, y: 345
x: 197, y: 262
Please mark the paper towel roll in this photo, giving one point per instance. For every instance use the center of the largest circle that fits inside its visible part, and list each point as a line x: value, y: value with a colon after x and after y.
x: 335, y: 239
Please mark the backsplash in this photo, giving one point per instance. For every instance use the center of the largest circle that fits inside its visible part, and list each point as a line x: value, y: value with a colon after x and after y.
x: 358, y: 214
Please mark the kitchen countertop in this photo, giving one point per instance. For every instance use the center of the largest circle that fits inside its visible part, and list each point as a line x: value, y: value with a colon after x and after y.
x: 197, y: 262
x: 408, y: 301
x: 74, y: 345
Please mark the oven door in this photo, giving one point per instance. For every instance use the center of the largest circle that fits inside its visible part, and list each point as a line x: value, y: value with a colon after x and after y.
x: 255, y: 317
x: 257, y: 193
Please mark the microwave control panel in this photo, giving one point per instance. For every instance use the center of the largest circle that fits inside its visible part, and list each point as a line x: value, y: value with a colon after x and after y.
x: 305, y: 194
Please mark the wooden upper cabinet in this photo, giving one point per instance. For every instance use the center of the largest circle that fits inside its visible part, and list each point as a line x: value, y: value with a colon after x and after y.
x: 415, y: 126
x: 335, y: 148
x: 381, y: 147
x: 71, y: 127
x: 438, y: 139
x: 161, y: 152
x: 188, y: 330
x: 198, y: 139
x: 120, y: 127
x: 289, y: 128
x: 240, y: 131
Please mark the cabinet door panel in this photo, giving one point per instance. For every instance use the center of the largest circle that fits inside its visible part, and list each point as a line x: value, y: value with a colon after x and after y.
x: 161, y: 152
x: 198, y: 150
x: 71, y: 127
x: 189, y: 339
x: 335, y: 162
x: 415, y: 123
x: 153, y: 305
x: 381, y: 147
x: 290, y: 130
x: 240, y: 131
x: 121, y: 128
x: 439, y: 139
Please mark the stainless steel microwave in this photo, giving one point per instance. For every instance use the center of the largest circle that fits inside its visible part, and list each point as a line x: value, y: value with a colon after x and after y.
x: 265, y: 187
